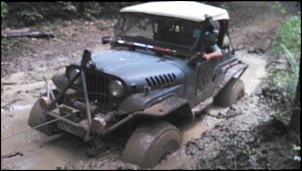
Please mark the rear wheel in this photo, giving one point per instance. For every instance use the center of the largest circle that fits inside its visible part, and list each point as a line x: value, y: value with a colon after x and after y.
x: 150, y: 142
x: 230, y: 94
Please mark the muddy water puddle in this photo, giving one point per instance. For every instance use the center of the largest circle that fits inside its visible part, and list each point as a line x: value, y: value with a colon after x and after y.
x: 255, y: 72
x: 43, y: 152
x: 36, y: 150
x: 24, y: 148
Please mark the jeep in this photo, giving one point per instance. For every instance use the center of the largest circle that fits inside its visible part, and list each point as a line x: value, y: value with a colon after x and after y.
x: 152, y: 74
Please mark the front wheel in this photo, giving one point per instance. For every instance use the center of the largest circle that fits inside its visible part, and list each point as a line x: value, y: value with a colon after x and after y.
x: 230, y: 94
x: 38, y: 116
x: 150, y: 142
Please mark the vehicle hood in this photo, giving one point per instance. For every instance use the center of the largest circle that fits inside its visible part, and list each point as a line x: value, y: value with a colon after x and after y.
x: 139, y: 68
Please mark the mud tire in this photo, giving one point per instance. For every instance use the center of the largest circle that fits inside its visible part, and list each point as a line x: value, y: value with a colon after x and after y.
x: 230, y: 94
x: 150, y: 142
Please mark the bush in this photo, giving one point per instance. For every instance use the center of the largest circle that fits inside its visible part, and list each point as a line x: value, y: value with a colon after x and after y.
x: 3, y: 13
x: 3, y: 9
x: 34, y: 13
x: 20, y: 14
x: 287, y: 43
x: 289, y: 36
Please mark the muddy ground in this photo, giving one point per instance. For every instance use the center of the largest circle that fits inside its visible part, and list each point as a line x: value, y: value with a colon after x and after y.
x: 244, y: 136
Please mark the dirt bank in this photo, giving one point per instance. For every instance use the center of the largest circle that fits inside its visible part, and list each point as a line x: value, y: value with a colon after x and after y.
x: 241, y: 137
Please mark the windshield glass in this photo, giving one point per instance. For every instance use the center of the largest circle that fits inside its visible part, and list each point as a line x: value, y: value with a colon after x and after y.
x: 157, y: 29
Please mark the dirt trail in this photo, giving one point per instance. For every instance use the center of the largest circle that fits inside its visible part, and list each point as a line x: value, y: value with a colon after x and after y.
x: 22, y: 83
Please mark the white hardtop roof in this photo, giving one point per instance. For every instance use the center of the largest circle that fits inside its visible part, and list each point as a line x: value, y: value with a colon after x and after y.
x: 189, y: 10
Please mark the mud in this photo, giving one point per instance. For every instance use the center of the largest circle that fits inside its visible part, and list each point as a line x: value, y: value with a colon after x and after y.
x: 243, y: 136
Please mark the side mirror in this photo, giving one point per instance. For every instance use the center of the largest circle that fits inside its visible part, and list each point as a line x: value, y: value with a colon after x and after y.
x: 106, y: 40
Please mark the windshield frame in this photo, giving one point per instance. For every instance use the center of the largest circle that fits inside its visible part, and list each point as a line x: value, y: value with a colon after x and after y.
x: 188, y: 24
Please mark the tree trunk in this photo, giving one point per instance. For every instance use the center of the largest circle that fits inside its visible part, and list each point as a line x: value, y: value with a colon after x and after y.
x: 29, y: 32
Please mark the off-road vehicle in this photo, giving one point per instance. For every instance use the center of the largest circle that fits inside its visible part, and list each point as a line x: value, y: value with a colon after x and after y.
x: 152, y: 74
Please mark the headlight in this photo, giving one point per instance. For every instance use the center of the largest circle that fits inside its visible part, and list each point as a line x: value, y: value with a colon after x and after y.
x: 116, y: 88
x: 72, y: 73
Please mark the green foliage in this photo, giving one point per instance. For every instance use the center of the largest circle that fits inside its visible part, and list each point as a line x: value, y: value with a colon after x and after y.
x: 34, y: 13
x: 3, y: 9
x: 68, y: 6
x: 287, y: 42
x: 20, y: 14
x: 3, y: 13
x: 297, y: 148
x: 276, y: 5
x: 31, y: 15
x: 93, y: 10
x: 289, y: 35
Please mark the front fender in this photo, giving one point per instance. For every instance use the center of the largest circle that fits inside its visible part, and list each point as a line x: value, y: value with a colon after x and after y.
x: 60, y: 80
x: 169, y: 105
x: 140, y: 101
x: 228, y: 72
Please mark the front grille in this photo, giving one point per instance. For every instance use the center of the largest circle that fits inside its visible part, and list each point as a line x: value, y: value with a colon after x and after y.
x: 97, y: 88
x: 161, y: 80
